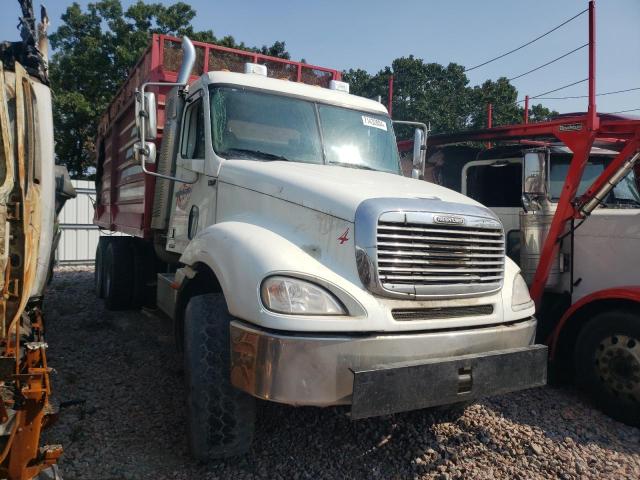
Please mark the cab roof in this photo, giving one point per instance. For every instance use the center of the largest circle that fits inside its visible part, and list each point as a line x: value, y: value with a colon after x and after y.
x: 286, y: 87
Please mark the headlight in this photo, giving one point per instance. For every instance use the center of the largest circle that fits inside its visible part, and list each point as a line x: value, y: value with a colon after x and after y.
x: 520, y: 298
x: 296, y: 296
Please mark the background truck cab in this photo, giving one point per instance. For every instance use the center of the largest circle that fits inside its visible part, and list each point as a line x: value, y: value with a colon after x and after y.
x: 593, y: 282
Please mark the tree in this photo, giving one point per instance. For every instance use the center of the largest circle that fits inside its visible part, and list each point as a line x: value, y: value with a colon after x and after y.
x: 440, y: 96
x: 427, y: 92
x: 502, y: 96
x: 539, y: 113
x: 94, y: 51
x: 430, y: 92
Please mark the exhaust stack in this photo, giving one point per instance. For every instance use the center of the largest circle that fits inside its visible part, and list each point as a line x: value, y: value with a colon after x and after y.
x: 188, y: 60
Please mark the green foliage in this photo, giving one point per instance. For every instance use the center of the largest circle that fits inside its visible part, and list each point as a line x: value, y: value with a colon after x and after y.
x: 94, y: 51
x: 538, y: 113
x: 441, y: 96
x: 499, y: 93
x: 430, y: 93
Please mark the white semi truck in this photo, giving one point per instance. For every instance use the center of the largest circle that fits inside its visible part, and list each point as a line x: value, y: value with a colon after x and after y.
x: 269, y: 220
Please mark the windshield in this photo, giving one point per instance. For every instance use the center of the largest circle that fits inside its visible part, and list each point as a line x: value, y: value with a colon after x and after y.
x: 624, y: 193
x: 261, y: 126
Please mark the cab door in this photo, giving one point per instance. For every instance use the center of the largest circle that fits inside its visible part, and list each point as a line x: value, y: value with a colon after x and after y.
x: 194, y: 200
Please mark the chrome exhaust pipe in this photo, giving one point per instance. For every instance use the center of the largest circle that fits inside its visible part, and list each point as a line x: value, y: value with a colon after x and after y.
x: 607, y: 187
x: 188, y: 60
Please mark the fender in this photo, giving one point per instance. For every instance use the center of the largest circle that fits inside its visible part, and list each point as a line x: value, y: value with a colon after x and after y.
x: 242, y: 254
x: 631, y: 293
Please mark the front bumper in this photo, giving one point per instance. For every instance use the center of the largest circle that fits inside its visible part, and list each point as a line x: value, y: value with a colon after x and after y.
x: 385, y: 373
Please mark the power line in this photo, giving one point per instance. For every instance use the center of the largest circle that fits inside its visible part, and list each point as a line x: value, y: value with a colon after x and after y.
x: 556, y: 89
x: 586, y: 96
x: 528, y: 43
x: 541, y: 97
x: 624, y: 111
x: 499, y: 105
x: 549, y: 62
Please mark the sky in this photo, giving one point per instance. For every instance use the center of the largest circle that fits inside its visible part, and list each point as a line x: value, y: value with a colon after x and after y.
x: 370, y: 34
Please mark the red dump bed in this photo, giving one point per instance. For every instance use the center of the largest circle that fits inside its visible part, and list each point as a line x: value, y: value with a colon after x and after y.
x: 124, y: 194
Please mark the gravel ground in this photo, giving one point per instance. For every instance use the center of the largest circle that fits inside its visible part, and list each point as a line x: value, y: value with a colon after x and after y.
x: 130, y: 422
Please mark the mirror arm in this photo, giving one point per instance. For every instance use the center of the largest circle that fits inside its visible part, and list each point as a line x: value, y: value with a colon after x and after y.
x: 144, y: 150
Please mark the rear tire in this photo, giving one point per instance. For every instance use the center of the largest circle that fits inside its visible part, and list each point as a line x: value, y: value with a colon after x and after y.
x: 98, y: 272
x: 144, y: 274
x: 220, y: 417
x: 607, y: 363
x: 118, y: 275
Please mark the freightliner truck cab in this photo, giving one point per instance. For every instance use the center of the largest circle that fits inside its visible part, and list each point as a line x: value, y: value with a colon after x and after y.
x: 299, y: 266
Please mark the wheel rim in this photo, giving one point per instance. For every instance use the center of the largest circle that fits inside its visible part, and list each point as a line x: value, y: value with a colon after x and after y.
x: 618, y: 365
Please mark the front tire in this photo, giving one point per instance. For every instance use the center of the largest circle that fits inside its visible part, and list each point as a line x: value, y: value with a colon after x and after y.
x: 607, y: 363
x: 220, y: 417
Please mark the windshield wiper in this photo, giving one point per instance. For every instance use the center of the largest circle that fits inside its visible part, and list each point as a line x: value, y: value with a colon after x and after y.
x: 353, y: 165
x: 256, y: 153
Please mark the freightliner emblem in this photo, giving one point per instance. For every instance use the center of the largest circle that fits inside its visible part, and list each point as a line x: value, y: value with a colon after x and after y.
x: 448, y: 219
x: 571, y: 127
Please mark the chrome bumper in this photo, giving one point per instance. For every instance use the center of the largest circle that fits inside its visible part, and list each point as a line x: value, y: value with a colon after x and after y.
x: 316, y: 369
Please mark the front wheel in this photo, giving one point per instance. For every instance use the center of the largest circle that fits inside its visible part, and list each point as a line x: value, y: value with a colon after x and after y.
x: 607, y: 363
x: 220, y: 417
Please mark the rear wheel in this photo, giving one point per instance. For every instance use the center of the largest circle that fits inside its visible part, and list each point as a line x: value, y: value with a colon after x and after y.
x: 220, y: 417
x: 144, y: 272
x: 98, y: 272
x: 118, y: 275
x: 607, y: 363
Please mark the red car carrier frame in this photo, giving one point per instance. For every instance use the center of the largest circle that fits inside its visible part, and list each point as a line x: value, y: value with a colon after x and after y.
x: 580, y: 133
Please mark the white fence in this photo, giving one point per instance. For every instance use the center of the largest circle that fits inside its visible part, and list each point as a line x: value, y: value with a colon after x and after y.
x: 80, y: 236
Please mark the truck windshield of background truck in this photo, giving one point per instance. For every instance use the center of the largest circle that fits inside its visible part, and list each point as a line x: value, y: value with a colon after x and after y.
x: 625, y: 194
x: 250, y: 124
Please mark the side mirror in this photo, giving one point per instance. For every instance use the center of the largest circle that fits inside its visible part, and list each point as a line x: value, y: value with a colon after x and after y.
x: 149, y: 110
x: 534, y: 184
x: 146, y: 153
x: 418, y: 153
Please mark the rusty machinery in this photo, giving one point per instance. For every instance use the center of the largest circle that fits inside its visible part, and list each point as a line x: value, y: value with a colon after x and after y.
x: 25, y: 388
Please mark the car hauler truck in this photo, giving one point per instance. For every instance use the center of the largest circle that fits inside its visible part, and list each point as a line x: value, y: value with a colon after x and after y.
x: 566, y: 192
x: 589, y: 306
x: 560, y: 184
x: 31, y: 187
x: 267, y: 215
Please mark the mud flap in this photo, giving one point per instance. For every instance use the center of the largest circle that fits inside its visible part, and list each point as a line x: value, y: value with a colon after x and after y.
x: 407, y: 386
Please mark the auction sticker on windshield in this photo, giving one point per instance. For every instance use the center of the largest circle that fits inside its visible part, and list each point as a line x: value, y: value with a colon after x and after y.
x: 374, y: 122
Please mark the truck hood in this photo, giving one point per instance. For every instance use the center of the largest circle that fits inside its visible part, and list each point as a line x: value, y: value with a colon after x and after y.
x: 330, y: 189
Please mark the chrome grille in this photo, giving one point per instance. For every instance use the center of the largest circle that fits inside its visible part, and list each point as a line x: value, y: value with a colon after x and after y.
x: 408, y: 314
x: 434, y: 259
